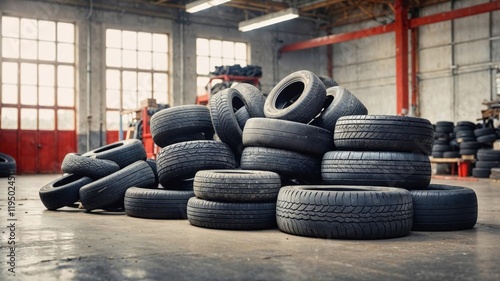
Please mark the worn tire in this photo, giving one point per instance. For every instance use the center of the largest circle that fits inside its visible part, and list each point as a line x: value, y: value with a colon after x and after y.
x: 157, y: 203
x: 444, y: 207
x: 487, y: 164
x: 237, y: 185
x: 344, y: 212
x: 253, y: 97
x: 242, y: 117
x: 111, y: 189
x: 481, y: 172
x: 470, y: 145
x: 467, y: 151
x: 441, y: 148
x: 298, y: 97
x: 7, y: 165
x: 233, y: 216
x: 181, y: 161
x: 484, y: 132
x: 122, y: 153
x: 327, y: 81
x: 391, y: 169
x: 287, y: 135
x: 62, y: 191
x: 384, y: 133
x: 89, y: 167
x: 488, y: 155
x: 451, y: 154
x: 437, y: 154
x: 186, y: 184
x: 487, y: 139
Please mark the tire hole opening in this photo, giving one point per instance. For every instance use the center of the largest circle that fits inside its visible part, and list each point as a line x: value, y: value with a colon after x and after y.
x: 289, y: 94
x: 66, y: 180
x: 108, y: 147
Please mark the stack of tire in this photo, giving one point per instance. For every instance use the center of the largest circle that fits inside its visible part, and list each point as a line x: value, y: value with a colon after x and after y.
x: 443, y: 145
x: 486, y: 136
x: 487, y: 160
x: 465, y: 137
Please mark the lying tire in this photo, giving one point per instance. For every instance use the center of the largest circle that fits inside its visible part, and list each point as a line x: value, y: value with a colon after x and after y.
x: 451, y: 154
x: 471, y: 151
x: 466, y: 139
x: 339, y: 102
x: 253, y: 97
x: 111, y: 189
x: 7, y: 165
x: 298, y: 97
x: 89, y: 167
x: 384, y: 133
x: 181, y: 123
x: 181, y: 161
x: 484, y: 132
x: 62, y: 191
x: 445, y: 124
x: 287, y: 135
x: 327, y: 81
x: 154, y: 168
x: 437, y: 154
x: 186, y: 184
x: 465, y: 134
x: 488, y: 164
x: 466, y: 125
x: 487, y: 139
x: 444, y: 207
x: 488, y: 155
x: 344, y: 212
x: 242, y: 117
x: 470, y: 145
x: 391, y: 169
x: 157, y: 203
x: 441, y: 148
x: 237, y: 185
x: 481, y: 172
x: 122, y: 153
x: 289, y: 164
x: 233, y: 216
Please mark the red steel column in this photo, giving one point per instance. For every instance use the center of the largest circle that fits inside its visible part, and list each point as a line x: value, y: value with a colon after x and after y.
x: 401, y: 30
x: 414, y: 72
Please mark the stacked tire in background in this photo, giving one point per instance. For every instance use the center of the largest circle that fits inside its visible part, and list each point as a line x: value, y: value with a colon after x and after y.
x: 487, y: 159
x: 466, y: 139
x: 445, y: 145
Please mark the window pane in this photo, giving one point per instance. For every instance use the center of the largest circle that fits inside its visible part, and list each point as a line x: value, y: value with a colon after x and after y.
x: 129, y: 40
x: 65, y: 32
x: 161, y: 97
x: 47, y: 30
x: 65, y: 97
x: 129, y: 81
x: 130, y: 100
x: 112, y: 79
x: 9, y: 118
x: 65, y: 76
x: 228, y: 61
x: 160, y: 43
x: 202, y: 48
x: 112, y: 120
x: 144, y: 82
x: 65, y: 52
x: 46, y: 75
x: 29, y: 49
x: 215, y: 48
x: 28, y: 74
x: 10, y: 48
x: 28, y: 119
x: 129, y: 59
x: 215, y: 62
x: 46, y: 96
x: 28, y: 95
x: 9, y: 94
x: 159, y: 61
x: 10, y: 27
x: 201, y: 82
x: 29, y: 28
x: 113, y: 99
x: 65, y: 119
x: 240, y: 51
x: 46, y: 119
x: 142, y: 95
x: 113, y: 57
x: 241, y: 62
x: 202, y: 65
x: 144, y: 41
x: 113, y: 38
x: 47, y: 51
x: 160, y: 82
x: 9, y: 72
x: 144, y: 60
x: 228, y: 48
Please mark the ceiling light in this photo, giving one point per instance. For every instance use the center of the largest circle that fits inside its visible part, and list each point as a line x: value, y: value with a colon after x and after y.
x: 200, y: 5
x: 268, y: 19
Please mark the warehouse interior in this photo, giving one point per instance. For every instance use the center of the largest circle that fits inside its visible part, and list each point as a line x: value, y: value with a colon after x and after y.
x: 77, y: 75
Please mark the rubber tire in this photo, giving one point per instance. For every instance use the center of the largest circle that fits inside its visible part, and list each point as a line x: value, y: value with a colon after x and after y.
x: 122, y: 153
x: 339, y: 102
x: 441, y: 148
x: 62, y: 191
x: 176, y: 124
x: 437, y: 154
x: 466, y: 139
x: 391, y: 169
x: 384, y: 133
x: 487, y: 164
x: 444, y: 208
x: 253, y: 97
x: 288, y: 164
x: 237, y: 185
x: 154, y: 168
x: 327, y: 81
x: 470, y: 151
x: 111, y: 189
x: 484, y: 132
x: 465, y: 134
x: 89, y: 167
x: 7, y: 165
x: 488, y: 155
x: 451, y: 154
x: 488, y: 139
x: 443, y: 124
x: 157, y: 203
x: 481, y: 172
x: 466, y: 124
x: 298, y: 97
x: 344, y: 212
x: 242, y: 117
x: 287, y: 135
x: 181, y: 161
x: 470, y: 145
x: 186, y: 184
x: 232, y: 216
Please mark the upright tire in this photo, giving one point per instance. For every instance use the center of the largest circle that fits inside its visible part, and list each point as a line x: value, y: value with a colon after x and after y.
x: 253, y: 97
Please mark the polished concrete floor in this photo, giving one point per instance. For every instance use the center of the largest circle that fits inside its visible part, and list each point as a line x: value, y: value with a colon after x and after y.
x: 72, y: 245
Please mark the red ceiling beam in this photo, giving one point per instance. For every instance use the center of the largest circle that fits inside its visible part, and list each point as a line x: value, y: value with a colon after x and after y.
x: 401, y: 30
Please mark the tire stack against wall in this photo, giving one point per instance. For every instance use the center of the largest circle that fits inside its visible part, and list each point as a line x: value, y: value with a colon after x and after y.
x: 443, y: 145
x: 487, y: 159
x: 464, y: 134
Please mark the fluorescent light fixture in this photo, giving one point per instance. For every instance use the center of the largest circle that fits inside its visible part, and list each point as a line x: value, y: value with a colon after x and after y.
x: 268, y: 19
x: 200, y: 5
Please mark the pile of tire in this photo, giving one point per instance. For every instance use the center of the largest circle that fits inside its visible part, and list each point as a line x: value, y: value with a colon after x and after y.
x: 7, y: 165
x: 487, y: 159
x: 466, y: 139
x: 445, y: 145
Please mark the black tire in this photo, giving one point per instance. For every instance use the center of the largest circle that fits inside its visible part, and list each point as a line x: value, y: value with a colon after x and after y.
x: 122, y: 153
x: 289, y: 164
x: 181, y: 123
x: 7, y: 165
x: 470, y: 151
x: 465, y: 134
x: 157, y: 203
x: 242, y: 117
x: 451, y: 154
x: 488, y: 139
x: 154, y: 168
x: 384, y: 133
x: 89, y: 167
x: 441, y: 148
x: 466, y: 139
x: 298, y: 97
x: 481, y: 172
x: 484, y: 132
x: 437, y: 154
x: 186, y: 184
x: 470, y: 145
x: 444, y: 208
x: 327, y: 81
x: 488, y: 155
x: 287, y: 135
x: 487, y: 164
x: 233, y: 216
x: 253, y: 97
x: 62, y: 191
x: 466, y: 124
x: 339, y: 102
x: 391, y: 169
x: 441, y: 135
x: 237, y: 185
x: 344, y: 212
x: 181, y: 161
x: 441, y: 141
x: 445, y: 124
x: 111, y: 189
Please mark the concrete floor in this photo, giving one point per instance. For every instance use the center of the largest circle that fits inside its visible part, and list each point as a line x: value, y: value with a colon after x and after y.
x: 72, y: 245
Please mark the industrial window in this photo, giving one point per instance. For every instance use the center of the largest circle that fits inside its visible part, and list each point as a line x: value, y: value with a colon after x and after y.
x: 38, y: 74
x: 136, y: 69
x: 211, y: 53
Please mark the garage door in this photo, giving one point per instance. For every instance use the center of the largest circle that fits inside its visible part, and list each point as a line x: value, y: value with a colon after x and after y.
x: 38, y: 93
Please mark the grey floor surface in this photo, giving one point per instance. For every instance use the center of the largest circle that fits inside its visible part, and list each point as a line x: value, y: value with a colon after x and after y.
x: 70, y: 244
